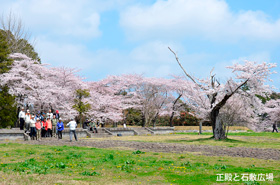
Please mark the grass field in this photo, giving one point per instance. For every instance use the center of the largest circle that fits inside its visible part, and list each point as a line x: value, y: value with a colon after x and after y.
x: 40, y: 164
x: 249, y: 139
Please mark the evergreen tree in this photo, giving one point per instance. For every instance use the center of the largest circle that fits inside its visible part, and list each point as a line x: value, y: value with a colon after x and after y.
x: 7, y: 102
x: 80, y: 106
x: 19, y: 45
x: 8, y: 108
x: 5, y: 63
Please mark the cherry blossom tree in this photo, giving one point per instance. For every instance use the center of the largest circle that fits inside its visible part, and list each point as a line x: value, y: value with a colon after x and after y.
x: 270, y: 115
x: 42, y: 86
x: 114, y: 94
x: 208, y: 96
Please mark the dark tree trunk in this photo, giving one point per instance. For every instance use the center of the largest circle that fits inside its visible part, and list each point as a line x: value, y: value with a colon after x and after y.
x: 217, y: 125
x: 173, y: 110
x: 171, y: 119
x: 143, y: 120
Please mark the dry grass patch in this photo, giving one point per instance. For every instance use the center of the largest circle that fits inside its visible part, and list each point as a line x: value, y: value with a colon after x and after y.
x: 191, y: 139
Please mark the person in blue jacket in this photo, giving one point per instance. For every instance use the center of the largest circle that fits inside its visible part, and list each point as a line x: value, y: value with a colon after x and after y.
x: 59, y: 128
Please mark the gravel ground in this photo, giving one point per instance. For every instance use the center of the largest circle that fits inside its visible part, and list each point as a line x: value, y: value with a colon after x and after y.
x: 208, y: 150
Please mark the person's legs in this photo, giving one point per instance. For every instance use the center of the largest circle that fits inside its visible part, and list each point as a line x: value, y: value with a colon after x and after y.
x: 21, y: 123
x: 51, y: 132
x: 25, y: 126
x: 58, y: 134
x: 70, y: 135
x: 38, y: 134
x: 54, y: 131
x: 74, y: 131
x: 33, y: 132
x: 28, y: 127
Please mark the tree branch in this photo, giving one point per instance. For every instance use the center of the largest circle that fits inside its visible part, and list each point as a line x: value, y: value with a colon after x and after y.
x: 177, y: 59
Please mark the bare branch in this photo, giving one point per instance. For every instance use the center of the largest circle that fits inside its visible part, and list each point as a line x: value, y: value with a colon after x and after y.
x: 189, y: 76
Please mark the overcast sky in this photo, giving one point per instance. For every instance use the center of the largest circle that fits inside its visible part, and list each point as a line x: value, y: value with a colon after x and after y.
x: 111, y: 37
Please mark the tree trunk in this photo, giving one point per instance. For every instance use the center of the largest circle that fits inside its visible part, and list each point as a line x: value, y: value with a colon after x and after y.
x: 173, y: 110
x: 143, y: 120
x: 80, y: 120
x: 200, y: 127
x: 217, y: 125
x: 171, y: 119
x: 219, y: 132
x: 154, y: 120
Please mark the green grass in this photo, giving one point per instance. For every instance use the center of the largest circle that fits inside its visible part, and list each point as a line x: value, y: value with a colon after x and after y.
x: 25, y: 164
x: 250, y: 139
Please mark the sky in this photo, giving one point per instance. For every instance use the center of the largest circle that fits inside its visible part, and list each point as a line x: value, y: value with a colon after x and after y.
x: 113, y: 37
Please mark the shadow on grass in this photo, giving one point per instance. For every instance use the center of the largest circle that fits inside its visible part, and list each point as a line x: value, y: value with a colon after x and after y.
x: 205, y: 140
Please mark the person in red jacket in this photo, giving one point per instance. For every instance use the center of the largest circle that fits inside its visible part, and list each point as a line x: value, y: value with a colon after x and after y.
x: 44, y: 129
x: 49, y: 127
x: 38, y: 129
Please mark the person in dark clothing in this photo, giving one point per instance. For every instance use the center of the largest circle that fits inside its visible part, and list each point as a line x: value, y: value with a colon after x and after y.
x: 274, y: 126
x: 85, y: 124
x: 21, y: 117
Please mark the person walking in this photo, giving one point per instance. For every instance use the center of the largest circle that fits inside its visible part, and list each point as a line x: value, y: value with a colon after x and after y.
x: 38, y: 126
x: 54, y: 122
x: 72, y: 125
x: 59, y: 128
x: 274, y: 127
x: 49, y: 127
x: 21, y: 117
x: 27, y: 120
x: 32, y: 128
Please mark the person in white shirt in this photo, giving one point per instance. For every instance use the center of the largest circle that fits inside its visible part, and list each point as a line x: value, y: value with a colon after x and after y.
x: 21, y: 117
x: 32, y: 128
x: 27, y: 120
x: 72, y: 125
x: 50, y: 114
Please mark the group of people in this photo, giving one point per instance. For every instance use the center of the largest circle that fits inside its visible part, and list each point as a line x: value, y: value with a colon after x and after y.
x: 45, y: 125
x: 93, y: 124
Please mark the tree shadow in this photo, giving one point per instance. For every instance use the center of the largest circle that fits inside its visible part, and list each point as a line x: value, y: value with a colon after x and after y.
x: 227, y: 140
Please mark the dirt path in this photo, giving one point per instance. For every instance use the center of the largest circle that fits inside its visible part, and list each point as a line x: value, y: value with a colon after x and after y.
x: 208, y: 150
